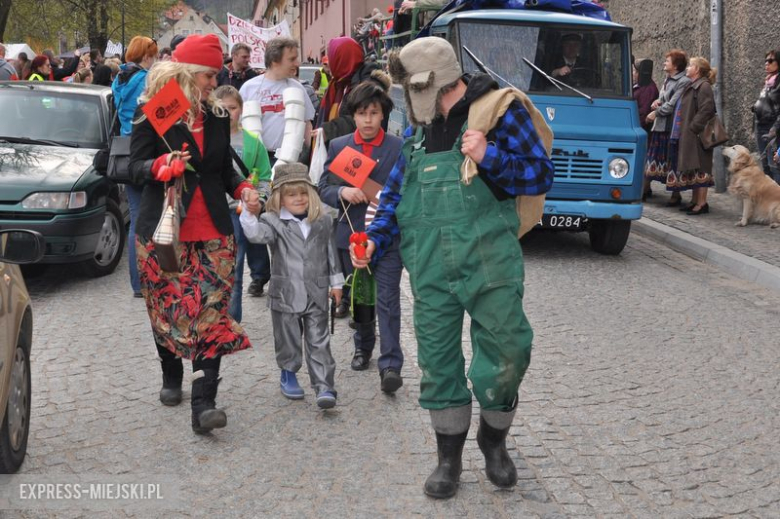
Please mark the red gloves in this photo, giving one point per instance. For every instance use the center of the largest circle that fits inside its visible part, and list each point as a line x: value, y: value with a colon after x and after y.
x: 360, y: 239
x: 164, y: 172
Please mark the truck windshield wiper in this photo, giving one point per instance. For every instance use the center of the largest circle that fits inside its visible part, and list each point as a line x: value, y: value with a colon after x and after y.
x: 556, y: 83
x: 48, y: 142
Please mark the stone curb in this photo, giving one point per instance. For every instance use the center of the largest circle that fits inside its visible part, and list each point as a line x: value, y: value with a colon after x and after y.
x: 734, y: 263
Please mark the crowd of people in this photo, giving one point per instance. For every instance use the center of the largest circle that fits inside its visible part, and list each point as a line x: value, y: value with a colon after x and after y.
x: 679, y: 112
x: 231, y: 221
x: 435, y: 217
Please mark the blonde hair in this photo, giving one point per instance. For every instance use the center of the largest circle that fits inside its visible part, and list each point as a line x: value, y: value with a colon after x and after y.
x: 81, y: 75
x: 274, y: 204
x: 705, y: 70
x: 184, y: 74
x: 229, y: 91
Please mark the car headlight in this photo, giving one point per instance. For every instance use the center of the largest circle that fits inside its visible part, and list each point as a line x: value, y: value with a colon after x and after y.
x: 75, y: 200
x: 618, y: 167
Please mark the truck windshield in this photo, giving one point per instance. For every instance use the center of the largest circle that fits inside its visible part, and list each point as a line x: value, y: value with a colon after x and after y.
x: 589, y: 59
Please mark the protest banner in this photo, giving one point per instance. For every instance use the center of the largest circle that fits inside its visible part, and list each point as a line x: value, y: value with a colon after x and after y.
x: 113, y: 49
x: 242, y: 31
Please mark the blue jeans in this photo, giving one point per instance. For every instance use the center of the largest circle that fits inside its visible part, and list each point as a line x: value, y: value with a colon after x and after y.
x: 259, y: 262
x: 387, y: 273
x: 134, y: 201
x: 259, y: 266
x: 762, y: 130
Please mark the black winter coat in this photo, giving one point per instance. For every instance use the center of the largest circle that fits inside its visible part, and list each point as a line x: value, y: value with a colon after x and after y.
x: 767, y: 108
x: 214, y: 173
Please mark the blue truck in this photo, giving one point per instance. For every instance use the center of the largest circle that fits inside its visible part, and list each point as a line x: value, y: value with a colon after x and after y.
x: 599, y: 146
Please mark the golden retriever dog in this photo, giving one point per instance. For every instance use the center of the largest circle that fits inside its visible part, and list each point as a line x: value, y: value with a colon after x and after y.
x: 759, y: 193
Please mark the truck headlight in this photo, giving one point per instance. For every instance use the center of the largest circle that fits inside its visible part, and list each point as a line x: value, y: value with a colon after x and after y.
x: 75, y: 200
x: 618, y: 167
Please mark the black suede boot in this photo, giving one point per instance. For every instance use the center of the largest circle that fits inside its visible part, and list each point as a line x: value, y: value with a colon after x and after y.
x: 443, y: 483
x: 173, y: 373
x: 498, y: 465
x: 205, y: 416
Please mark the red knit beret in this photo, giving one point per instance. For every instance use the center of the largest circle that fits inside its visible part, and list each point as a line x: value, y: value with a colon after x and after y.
x: 200, y: 50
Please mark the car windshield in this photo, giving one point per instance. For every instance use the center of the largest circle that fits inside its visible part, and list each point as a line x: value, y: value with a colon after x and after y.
x: 588, y: 59
x: 40, y: 115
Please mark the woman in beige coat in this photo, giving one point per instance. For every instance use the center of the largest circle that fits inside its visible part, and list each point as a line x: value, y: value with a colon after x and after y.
x: 697, y: 107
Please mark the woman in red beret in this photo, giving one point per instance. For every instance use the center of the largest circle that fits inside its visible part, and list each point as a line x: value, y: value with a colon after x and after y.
x: 188, y: 308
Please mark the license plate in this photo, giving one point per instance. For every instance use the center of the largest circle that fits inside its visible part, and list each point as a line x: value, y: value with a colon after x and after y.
x: 566, y: 222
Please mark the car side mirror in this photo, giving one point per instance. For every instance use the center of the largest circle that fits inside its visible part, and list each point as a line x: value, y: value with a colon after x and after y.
x: 21, y: 246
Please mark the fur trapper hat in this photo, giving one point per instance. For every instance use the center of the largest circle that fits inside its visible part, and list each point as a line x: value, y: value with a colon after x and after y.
x: 423, y: 67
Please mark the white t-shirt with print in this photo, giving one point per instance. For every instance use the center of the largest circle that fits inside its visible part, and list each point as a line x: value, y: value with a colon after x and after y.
x: 269, y: 93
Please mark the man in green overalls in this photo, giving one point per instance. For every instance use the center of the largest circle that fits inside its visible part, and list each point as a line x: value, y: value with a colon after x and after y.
x: 459, y: 244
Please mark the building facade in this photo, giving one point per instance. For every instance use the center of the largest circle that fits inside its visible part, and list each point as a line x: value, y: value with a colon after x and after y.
x: 315, y: 22
x: 750, y: 29
x: 184, y: 20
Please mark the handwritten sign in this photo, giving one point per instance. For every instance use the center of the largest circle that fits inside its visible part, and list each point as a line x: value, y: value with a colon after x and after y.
x: 166, y: 107
x: 242, y: 31
x: 352, y: 166
x: 113, y: 49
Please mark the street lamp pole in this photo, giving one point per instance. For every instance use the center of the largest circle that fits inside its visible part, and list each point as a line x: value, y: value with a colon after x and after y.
x: 123, y: 29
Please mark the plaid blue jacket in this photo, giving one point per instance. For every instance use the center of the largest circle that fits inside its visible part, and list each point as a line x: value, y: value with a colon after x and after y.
x: 516, y: 162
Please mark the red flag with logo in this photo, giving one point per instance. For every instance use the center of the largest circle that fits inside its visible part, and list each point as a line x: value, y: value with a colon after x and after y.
x: 166, y: 107
x: 352, y: 166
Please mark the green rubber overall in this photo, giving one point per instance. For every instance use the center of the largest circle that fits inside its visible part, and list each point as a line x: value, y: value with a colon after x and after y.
x: 460, y: 247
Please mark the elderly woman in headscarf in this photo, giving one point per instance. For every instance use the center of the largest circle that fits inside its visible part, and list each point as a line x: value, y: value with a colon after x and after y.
x: 349, y: 70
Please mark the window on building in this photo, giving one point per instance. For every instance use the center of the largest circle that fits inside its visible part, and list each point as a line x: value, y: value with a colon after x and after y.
x: 198, y: 31
x: 185, y: 32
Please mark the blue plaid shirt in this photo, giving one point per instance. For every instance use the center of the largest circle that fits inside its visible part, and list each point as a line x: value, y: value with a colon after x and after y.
x: 516, y: 163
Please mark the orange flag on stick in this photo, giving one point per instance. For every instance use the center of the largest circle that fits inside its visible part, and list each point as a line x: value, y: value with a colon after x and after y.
x: 166, y: 107
x: 352, y: 166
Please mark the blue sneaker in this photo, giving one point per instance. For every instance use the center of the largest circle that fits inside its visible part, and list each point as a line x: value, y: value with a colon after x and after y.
x: 289, y: 386
x: 326, y: 400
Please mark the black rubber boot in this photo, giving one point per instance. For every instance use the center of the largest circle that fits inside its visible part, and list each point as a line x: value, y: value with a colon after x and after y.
x: 498, y: 465
x: 443, y: 483
x: 205, y: 415
x: 173, y: 374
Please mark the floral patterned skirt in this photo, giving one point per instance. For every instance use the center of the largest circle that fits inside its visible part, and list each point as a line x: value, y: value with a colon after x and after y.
x: 189, y: 309
x: 661, y: 157
x: 690, y: 179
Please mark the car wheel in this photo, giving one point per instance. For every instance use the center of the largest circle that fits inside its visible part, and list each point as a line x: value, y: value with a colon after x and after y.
x: 108, y: 252
x: 16, y: 422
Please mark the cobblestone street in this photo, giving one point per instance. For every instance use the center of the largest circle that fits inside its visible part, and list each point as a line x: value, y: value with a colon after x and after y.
x: 653, y: 392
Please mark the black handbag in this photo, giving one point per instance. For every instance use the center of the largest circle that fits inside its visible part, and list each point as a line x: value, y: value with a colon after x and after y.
x: 114, y: 162
x: 118, y: 168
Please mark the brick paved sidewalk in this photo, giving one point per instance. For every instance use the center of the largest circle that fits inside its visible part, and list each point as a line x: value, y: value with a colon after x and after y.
x: 757, y: 241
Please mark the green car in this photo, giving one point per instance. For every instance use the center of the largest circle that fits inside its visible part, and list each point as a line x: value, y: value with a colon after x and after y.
x: 49, y: 135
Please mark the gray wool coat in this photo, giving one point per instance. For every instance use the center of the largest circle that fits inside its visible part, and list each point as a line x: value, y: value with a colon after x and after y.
x: 301, y: 268
x: 671, y: 91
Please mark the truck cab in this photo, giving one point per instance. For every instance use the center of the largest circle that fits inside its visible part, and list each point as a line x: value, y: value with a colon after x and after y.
x: 577, y: 71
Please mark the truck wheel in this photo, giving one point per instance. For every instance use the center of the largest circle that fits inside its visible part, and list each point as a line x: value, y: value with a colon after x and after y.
x: 110, y: 244
x: 609, y: 236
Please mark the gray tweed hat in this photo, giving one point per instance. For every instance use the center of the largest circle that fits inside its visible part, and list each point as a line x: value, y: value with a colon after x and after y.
x: 286, y: 173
